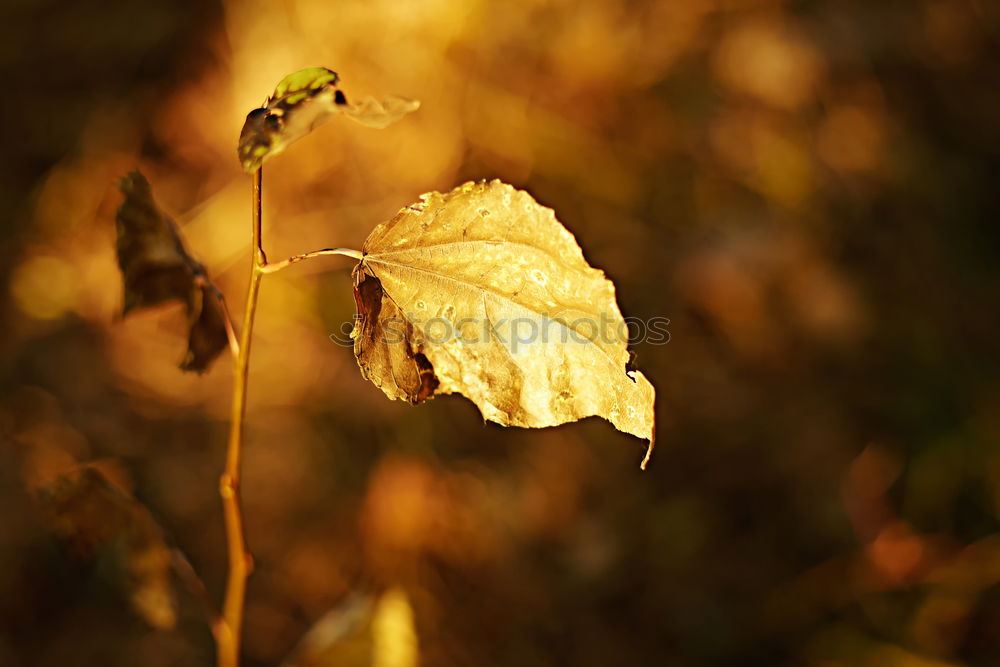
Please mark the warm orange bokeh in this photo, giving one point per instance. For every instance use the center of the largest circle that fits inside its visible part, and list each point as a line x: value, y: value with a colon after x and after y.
x: 801, y: 190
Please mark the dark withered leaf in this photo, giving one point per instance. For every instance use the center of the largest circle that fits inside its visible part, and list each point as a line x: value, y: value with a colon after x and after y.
x: 98, y: 519
x: 207, y: 336
x: 157, y: 268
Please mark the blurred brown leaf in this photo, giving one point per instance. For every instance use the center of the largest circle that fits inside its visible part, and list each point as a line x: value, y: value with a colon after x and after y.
x: 157, y: 268
x: 361, y: 631
x: 96, y: 517
x: 483, y: 292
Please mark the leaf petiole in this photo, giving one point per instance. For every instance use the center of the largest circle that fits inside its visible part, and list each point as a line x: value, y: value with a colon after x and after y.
x: 277, y: 266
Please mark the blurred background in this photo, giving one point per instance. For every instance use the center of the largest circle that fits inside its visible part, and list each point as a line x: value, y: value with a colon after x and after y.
x: 806, y: 189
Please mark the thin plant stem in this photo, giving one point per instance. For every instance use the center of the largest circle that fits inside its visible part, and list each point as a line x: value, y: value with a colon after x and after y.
x: 346, y: 252
x: 228, y: 629
x: 240, y: 560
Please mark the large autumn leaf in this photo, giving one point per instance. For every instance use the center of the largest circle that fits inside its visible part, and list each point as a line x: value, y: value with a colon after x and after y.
x: 482, y: 292
x: 302, y: 101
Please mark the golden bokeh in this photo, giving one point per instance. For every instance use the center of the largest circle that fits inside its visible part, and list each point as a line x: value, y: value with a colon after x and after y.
x: 803, y: 189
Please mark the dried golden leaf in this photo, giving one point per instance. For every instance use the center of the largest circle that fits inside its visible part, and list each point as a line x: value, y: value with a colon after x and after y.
x: 482, y: 292
x: 157, y: 268
x: 94, y: 516
x: 300, y: 103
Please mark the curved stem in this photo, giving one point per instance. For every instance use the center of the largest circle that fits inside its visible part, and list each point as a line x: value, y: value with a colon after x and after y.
x: 240, y: 560
x: 346, y: 252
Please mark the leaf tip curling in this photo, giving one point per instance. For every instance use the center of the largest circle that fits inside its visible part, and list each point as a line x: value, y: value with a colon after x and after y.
x: 649, y: 450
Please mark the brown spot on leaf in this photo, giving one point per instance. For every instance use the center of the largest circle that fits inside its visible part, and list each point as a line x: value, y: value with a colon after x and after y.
x: 385, y: 344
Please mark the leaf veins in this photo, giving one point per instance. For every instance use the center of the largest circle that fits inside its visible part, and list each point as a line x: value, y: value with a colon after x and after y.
x: 483, y: 290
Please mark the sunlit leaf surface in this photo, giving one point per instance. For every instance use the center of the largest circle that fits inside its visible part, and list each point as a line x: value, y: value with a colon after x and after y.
x: 482, y: 292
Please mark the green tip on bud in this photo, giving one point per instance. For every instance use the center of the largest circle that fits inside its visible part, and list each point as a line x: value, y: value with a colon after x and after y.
x: 311, y: 78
